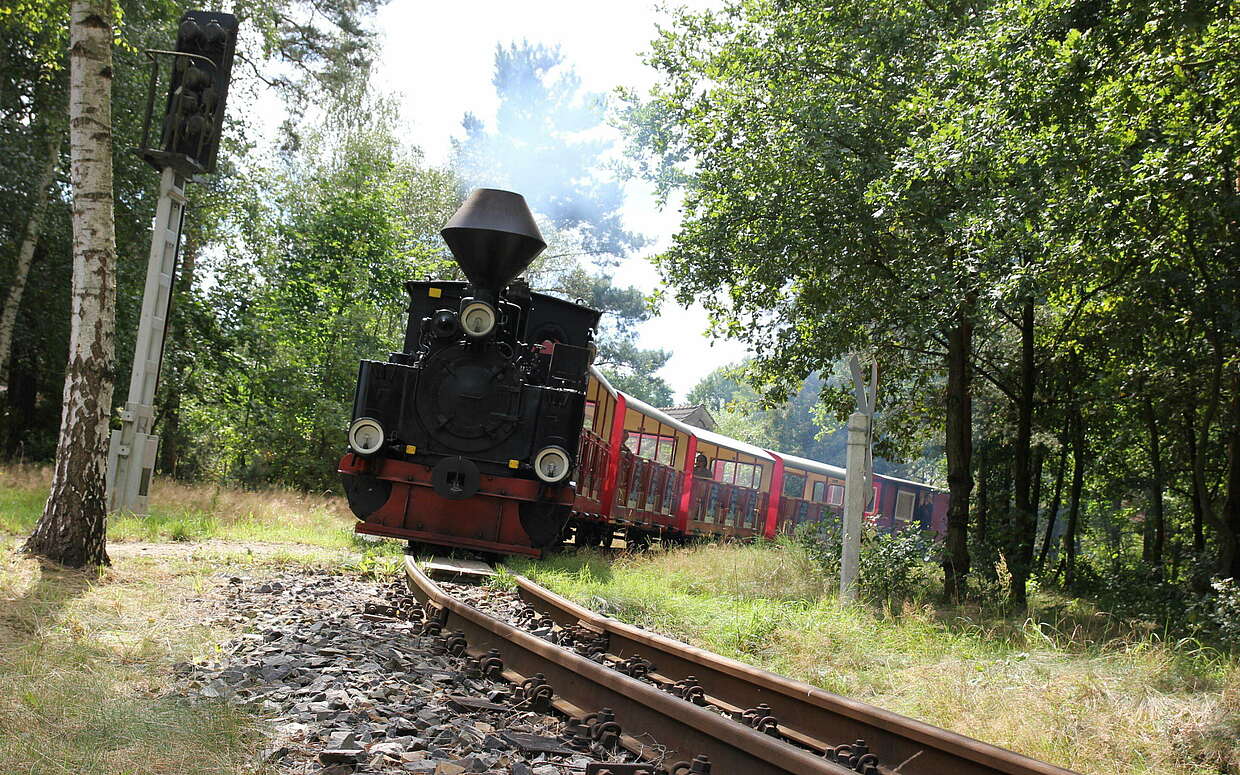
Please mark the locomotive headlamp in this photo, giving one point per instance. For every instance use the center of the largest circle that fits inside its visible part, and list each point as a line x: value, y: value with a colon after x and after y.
x: 366, y: 436
x: 478, y: 319
x: 551, y: 464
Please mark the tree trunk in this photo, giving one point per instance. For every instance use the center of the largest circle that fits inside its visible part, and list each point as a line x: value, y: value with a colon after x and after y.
x: 1199, y: 533
x: 983, y: 496
x: 1156, y: 529
x: 1056, y: 499
x: 1022, y: 521
x: 1074, y: 496
x: 959, y: 449
x: 1229, y: 528
x: 1035, y: 502
x: 25, y: 254
x: 72, y: 529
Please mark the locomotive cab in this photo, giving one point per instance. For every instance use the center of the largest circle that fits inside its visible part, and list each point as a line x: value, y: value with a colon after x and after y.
x: 468, y: 437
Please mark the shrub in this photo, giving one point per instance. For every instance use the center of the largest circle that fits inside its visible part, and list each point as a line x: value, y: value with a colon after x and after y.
x: 893, y: 567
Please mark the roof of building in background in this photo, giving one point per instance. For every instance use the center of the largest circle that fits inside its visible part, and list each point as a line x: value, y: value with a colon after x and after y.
x: 691, y: 414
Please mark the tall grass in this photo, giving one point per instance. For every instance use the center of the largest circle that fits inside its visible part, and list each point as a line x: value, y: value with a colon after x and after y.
x: 1068, y: 685
x: 194, y: 512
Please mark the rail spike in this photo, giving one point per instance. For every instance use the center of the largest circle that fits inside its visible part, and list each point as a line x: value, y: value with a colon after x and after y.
x: 492, y: 665
x: 856, y: 756
x: 761, y: 719
x: 577, y: 736
x: 536, y: 692
x: 689, y: 689
x: 636, y: 667
x: 604, y: 728
x: 699, y: 766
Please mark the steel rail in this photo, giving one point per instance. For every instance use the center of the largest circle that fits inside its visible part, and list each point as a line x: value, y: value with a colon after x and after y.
x: 807, y: 715
x: 644, y: 712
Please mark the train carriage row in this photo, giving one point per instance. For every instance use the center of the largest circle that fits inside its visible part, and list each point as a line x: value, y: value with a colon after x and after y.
x: 643, y: 474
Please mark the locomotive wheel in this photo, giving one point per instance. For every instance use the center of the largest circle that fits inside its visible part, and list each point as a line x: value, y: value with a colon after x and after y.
x: 637, y: 540
x: 544, y: 523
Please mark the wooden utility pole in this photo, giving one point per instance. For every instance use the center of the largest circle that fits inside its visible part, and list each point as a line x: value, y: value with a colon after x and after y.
x: 72, y: 529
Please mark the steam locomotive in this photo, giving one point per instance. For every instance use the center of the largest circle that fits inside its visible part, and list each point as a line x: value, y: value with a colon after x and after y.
x: 491, y: 430
x: 468, y: 436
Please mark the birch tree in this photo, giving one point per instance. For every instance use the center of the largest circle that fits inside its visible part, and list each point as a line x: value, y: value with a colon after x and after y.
x: 25, y: 254
x: 72, y: 529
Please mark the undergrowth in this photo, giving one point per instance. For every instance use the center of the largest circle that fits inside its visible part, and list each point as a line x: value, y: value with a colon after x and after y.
x: 1066, y: 684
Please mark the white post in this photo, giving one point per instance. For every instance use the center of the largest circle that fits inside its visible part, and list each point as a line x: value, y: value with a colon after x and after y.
x: 132, y: 452
x: 855, y: 496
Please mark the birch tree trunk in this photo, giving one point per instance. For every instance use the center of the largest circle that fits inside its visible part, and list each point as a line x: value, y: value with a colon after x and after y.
x: 25, y: 255
x: 72, y: 530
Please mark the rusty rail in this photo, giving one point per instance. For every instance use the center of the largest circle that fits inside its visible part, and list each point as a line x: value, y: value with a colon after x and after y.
x: 802, y: 714
x: 647, y: 715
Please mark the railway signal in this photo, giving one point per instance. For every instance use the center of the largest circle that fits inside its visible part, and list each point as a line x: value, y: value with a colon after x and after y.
x: 189, y: 136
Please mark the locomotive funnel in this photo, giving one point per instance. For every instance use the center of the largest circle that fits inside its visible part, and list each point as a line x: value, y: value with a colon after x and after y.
x: 493, y: 237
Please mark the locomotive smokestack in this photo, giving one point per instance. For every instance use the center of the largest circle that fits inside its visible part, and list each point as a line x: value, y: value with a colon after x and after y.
x: 493, y: 237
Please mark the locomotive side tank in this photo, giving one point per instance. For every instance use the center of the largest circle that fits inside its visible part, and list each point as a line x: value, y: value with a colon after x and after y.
x: 468, y: 437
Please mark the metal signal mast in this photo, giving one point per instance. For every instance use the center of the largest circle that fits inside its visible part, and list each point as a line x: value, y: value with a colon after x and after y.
x: 201, y: 67
x: 859, y: 475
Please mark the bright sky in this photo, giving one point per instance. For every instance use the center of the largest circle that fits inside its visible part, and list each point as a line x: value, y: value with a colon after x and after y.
x: 438, y: 57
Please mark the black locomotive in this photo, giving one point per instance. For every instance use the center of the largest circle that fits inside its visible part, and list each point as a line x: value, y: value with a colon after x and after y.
x: 468, y: 436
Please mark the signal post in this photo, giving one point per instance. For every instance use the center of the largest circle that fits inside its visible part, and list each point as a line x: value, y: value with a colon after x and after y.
x: 858, y: 477
x: 187, y: 147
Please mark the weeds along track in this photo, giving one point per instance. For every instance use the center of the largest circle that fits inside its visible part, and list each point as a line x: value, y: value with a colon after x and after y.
x: 682, y: 709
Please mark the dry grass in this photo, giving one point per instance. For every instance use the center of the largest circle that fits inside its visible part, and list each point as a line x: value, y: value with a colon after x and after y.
x: 1078, y: 690
x: 85, y: 662
x: 194, y: 512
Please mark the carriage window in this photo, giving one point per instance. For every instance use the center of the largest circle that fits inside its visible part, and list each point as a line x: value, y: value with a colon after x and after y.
x: 794, y: 485
x: 904, y: 506
x: 835, y: 495
x: 819, y: 489
x: 587, y: 419
x: 652, y: 446
x: 740, y: 474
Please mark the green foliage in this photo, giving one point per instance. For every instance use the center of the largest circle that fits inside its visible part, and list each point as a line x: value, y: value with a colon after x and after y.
x: 352, y: 216
x: 1057, y: 178
x: 893, y: 567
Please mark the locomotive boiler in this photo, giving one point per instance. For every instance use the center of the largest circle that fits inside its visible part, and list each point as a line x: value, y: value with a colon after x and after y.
x: 468, y: 437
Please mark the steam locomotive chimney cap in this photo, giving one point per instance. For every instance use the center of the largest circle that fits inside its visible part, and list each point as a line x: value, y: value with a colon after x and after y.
x: 493, y: 237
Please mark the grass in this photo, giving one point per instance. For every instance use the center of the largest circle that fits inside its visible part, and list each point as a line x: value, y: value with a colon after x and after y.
x: 85, y: 662
x: 1073, y: 687
x: 194, y: 512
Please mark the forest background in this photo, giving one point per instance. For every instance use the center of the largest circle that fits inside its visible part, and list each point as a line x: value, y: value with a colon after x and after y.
x: 1025, y: 210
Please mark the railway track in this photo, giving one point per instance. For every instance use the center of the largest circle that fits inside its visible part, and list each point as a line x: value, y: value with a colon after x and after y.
x: 685, y: 710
